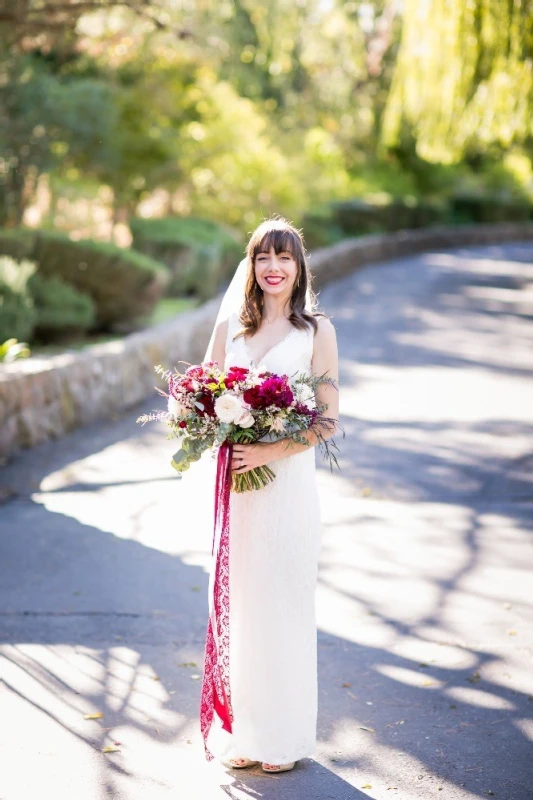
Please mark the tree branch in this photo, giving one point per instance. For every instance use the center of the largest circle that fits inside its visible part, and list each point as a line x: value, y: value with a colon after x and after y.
x: 67, y: 12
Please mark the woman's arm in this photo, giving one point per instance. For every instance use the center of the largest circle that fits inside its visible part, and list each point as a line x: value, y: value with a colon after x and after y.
x: 325, y: 363
x: 218, y: 349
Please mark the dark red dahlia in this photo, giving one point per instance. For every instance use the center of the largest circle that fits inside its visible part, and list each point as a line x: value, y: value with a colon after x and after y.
x: 206, y: 399
x: 253, y: 398
x: 275, y: 391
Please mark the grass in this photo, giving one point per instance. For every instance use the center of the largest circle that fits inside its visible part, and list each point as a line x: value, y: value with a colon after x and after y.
x: 169, y: 307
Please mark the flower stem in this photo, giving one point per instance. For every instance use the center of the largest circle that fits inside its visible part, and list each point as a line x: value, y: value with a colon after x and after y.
x: 252, y: 480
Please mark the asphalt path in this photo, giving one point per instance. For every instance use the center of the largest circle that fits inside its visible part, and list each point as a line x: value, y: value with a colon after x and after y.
x: 425, y: 589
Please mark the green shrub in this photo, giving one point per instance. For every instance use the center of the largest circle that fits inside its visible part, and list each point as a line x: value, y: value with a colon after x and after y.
x: 356, y: 217
x: 320, y: 228
x: 60, y: 309
x: 15, y: 242
x: 124, y: 284
x: 17, y: 312
x: 200, y: 253
x: 470, y: 208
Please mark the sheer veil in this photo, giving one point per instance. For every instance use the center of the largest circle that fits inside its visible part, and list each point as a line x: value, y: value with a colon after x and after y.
x: 232, y: 301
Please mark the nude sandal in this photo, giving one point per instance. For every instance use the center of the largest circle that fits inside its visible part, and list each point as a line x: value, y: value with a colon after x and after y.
x: 273, y: 768
x: 240, y: 763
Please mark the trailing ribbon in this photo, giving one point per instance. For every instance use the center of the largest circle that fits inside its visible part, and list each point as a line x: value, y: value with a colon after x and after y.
x: 216, y: 683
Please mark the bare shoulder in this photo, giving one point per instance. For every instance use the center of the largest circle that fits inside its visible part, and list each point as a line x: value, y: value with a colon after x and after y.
x: 325, y: 352
x: 217, y: 346
x: 221, y: 330
x: 325, y: 332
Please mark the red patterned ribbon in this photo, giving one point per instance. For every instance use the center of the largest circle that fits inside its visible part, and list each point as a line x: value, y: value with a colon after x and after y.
x: 216, y: 685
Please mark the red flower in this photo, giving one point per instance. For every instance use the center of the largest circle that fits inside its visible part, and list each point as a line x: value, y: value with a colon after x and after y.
x: 196, y: 371
x: 253, y: 397
x: 235, y: 374
x: 208, y: 405
x: 182, y: 424
x: 275, y: 391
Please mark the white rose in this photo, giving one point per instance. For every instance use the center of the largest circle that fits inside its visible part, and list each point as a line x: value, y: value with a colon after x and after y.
x: 303, y: 393
x: 246, y: 420
x: 175, y: 408
x: 228, y: 408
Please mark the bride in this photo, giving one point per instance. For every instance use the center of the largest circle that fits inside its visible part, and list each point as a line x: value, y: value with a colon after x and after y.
x: 275, y: 531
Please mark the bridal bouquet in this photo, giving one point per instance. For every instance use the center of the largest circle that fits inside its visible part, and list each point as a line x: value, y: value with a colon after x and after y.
x: 208, y: 407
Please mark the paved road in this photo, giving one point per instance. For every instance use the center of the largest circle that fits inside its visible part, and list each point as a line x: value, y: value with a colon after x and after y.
x: 425, y: 591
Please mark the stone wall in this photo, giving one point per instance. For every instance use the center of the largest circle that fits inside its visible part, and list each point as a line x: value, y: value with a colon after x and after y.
x: 45, y: 397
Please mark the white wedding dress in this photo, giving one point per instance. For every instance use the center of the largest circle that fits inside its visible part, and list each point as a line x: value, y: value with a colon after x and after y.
x: 274, y: 549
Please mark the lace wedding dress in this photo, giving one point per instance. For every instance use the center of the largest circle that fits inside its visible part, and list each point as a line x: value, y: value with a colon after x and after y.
x: 274, y: 549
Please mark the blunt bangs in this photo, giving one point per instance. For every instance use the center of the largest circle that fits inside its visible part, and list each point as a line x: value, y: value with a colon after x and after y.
x: 282, y: 240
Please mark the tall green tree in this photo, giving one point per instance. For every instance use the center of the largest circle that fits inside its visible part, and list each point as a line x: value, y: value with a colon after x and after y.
x: 44, y: 119
x: 463, y: 82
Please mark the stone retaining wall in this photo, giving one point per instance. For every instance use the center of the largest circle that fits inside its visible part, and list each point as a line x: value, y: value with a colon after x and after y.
x: 45, y: 397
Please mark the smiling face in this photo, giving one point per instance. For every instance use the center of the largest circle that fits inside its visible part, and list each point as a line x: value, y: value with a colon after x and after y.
x: 276, y: 273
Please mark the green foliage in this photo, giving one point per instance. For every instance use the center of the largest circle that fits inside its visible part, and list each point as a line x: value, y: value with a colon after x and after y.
x: 61, y: 310
x: 13, y: 350
x: 17, y: 315
x: 199, y: 253
x: 320, y: 228
x: 269, y: 107
x: 123, y: 284
x: 355, y: 217
x: 490, y: 208
x: 463, y: 81
x: 17, y: 312
x: 46, y: 121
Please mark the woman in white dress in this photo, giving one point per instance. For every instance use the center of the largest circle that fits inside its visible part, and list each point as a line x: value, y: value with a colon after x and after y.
x: 275, y: 531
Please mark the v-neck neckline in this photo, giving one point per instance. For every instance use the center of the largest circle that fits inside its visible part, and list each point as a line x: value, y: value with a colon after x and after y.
x: 270, y: 349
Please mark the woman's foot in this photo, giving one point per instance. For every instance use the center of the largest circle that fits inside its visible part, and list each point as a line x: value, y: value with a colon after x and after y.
x: 277, y: 767
x: 241, y: 763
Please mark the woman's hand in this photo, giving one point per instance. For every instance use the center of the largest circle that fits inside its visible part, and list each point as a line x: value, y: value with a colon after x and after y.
x: 249, y: 456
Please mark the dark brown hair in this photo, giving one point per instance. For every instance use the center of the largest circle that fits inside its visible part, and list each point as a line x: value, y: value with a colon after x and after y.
x: 283, y: 237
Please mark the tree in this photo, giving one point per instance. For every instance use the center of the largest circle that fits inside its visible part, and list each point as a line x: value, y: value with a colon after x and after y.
x: 43, y: 120
x: 463, y: 82
x: 30, y: 17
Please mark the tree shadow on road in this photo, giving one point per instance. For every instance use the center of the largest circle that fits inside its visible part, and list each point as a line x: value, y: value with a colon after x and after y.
x: 92, y: 622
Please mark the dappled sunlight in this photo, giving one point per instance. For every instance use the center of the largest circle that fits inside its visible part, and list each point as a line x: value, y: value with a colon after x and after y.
x: 174, y: 519
x: 409, y: 677
x: 135, y: 714
x: 423, y: 596
x: 479, y: 697
x: 433, y: 394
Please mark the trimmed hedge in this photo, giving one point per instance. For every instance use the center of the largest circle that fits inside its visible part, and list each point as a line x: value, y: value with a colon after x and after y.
x: 200, y: 253
x: 320, y: 229
x: 355, y: 217
x: 32, y: 305
x: 60, y: 309
x: 487, y: 208
x: 17, y: 312
x: 124, y: 284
